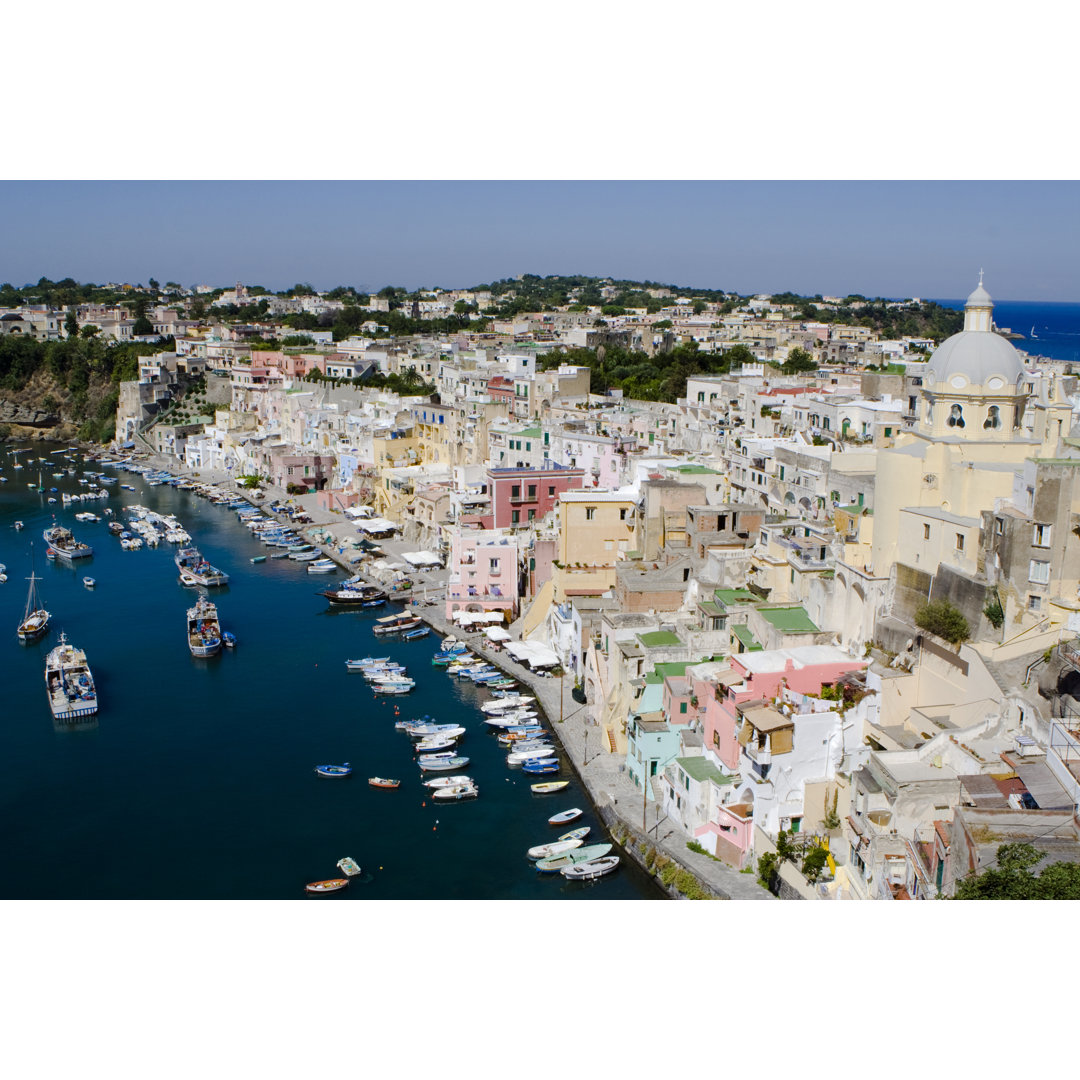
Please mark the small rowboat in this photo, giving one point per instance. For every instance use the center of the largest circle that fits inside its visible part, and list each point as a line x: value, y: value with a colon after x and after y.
x: 576, y: 834
x: 564, y: 817
x: 379, y: 781
x: 593, y: 869
x: 549, y: 786
x: 349, y: 867
x: 330, y: 885
x: 546, y: 851
x: 334, y: 770
x: 259, y: 558
x: 540, y: 768
x: 448, y: 781
x: 89, y: 582
x: 229, y: 638
x: 554, y: 863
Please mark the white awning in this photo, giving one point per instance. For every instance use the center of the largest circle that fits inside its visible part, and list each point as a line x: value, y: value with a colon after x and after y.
x: 421, y: 558
x: 376, y: 525
x: 497, y: 633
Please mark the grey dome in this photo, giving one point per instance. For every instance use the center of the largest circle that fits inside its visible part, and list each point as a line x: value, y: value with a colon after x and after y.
x: 977, y: 354
x: 979, y: 298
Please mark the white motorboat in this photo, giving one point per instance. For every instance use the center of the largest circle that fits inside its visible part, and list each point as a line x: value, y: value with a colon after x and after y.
x: 448, y: 781
x: 454, y: 792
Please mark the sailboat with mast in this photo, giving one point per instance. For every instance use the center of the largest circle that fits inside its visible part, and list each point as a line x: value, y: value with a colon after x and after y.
x: 35, y: 620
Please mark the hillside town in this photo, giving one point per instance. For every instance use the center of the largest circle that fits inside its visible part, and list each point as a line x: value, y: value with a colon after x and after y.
x: 821, y: 607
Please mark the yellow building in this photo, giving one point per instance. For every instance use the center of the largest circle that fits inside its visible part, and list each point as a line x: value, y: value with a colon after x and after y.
x: 596, y: 530
x: 971, y: 439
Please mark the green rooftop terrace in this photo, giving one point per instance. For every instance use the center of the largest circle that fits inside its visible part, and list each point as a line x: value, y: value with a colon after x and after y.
x: 658, y: 638
x: 789, y: 620
x: 699, y: 769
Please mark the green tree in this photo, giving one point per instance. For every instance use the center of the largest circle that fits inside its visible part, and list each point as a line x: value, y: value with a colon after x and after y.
x: 944, y: 620
x: 89, y: 330
x: 799, y: 360
x: 142, y: 327
x: 153, y: 285
x: 698, y: 307
x: 814, y: 862
x: 1012, y: 878
x: 71, y: 323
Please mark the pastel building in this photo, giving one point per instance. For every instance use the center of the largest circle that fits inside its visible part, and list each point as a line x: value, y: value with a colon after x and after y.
x: 521, y: 496
x: 483, y: 567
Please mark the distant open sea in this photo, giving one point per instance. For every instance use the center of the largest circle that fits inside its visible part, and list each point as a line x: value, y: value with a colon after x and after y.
x: 1056, y: 326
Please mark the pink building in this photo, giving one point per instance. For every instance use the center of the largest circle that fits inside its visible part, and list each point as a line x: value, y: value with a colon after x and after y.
x: 522, y: 496
x: 483, y: 567
x: 759, y: 677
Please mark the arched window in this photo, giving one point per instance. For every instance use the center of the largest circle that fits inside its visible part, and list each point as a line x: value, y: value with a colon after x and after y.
x: 956, y: 417
x: 993, y: 417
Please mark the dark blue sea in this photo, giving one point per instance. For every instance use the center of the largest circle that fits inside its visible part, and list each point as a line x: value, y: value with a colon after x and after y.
x: 197, y: 781
x: 1056, y: 326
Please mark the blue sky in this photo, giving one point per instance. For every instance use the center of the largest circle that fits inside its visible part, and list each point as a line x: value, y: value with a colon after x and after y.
x: 879, y: 238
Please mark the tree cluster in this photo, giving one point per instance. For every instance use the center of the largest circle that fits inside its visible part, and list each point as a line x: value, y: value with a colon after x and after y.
x: 1013, y: 879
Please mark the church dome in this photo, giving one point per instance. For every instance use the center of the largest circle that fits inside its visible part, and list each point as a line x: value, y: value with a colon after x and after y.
x: 977, y: 353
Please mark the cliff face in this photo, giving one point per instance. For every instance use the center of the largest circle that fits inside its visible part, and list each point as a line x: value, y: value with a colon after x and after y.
x: 45, y: 409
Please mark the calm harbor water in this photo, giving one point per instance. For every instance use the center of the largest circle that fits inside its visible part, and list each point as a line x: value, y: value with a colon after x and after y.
x: 197, y: 781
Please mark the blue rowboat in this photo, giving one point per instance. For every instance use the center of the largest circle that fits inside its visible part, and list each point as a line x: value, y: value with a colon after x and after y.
x: 540, y: 768
x: 334, y: 771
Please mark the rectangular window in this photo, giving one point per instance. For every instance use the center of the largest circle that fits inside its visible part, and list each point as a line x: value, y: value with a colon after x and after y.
x: 515, y: 517
x: 959, y: 541
x: 1039, y: 572
x: 528, y: 446
x: 926, y: 532
x: 622, y: 514
x: 532, y: 491
x: 590, y: 513
x: 532, y: 515
x: 1034, y: 602
x: 493, y: 565
x: 999, y: 526
x: 515, y: 491
x: 551, y: 490
x: 682, y: 706
x: 1042, y: 536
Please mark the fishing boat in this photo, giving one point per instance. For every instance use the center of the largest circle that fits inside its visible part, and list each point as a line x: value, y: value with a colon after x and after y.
x: 391, y: 624
x: 188, y: 580
x: 556, y: 847
x: 505, y: 704
x: 65, y: 545
x: 228, y: 639
x: 331, y: 885
x: 348, y: 866
x: 203, y: 629
x: 456, y: 792
x: 593, y: 868
x: 447, y: 781
x: 322, y: 566
x: 189, y: 561
x: 419, y: 632
x: 89, y: 582
x: 554, y: 863
x: 380, y: 781
x: 441, y: 763
x: 334, y: 771
x: 355, y: 597
x: 565, y: 816
x: 35, y: 620
x: 69, y: 683
x: 367, y: 661
x: 548, y: 786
